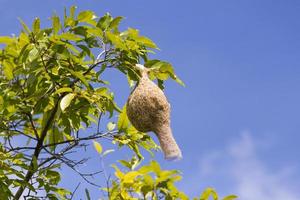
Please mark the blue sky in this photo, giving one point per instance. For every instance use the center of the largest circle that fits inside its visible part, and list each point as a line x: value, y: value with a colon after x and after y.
x: 237, y: 119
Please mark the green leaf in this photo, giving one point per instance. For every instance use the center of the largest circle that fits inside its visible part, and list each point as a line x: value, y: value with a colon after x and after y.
x: 115, y: 22
x: 25, y: 27
x: 95, y: 31
x: 178, y: 80
x: 160, y: 84
x: 62, y: 192
x: 69, y: 36
x: 66, y: 100
x: 85, y: 16
x: 63, y: 90
x: 53, y: 137
x: 69, y: 20
x: 35, y: 163
x: 97, y: 146
x: 72, y: 11
x: 79, y: 76
x: 104, y: 21
x: 53, y: 176
x: 87, y: 51
x: 46, y: 115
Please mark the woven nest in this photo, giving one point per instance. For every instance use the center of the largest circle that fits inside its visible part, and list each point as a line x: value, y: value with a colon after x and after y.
x: 149, y: 110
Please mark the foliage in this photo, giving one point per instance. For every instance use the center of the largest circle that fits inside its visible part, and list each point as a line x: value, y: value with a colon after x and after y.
x: 51, y: 89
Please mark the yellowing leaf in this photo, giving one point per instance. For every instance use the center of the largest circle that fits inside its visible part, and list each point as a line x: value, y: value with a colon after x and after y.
x: 116, y: 40
x: 130, y: 176
x: 6, y: 40
x: 68, y: 137
x: 123, y: 119
x: 178, y: 80
x: 118, y: 173
x: 230, y: 197
x: 66, y: 100
x: 108, y: 151
x: 111, y: 126
x: 147, y: 42
x: 97, y: 146
x: 62, y: 90
x: 36, y: 25
x: 56, y: 24
x: 8, y: 70
x: 1, y: 101
x: 207, y: 193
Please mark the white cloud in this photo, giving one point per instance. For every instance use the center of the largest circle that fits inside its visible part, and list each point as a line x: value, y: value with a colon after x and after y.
x: 247, y: 175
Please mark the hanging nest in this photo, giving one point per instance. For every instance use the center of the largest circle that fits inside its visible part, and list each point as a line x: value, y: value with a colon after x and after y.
x: 149, y: 110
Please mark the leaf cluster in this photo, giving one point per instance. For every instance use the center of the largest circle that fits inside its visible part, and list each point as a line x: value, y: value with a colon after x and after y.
x: 52, y: 93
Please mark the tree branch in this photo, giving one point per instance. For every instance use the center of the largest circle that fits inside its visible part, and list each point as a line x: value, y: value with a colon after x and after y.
x: 37, y: 151
x: 40, y: 140
x: 33, y: 126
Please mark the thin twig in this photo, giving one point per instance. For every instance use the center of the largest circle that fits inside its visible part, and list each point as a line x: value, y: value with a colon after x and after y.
x: 74, y: 191
x: 32, y: 125
x: 98, y: 125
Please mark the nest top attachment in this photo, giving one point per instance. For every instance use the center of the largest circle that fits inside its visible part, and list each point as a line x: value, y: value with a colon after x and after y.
x: 140, y: 67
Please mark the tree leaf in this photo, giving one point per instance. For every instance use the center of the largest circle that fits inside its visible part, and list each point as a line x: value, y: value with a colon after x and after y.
x: 104, y: 21
x: 97, y: 146
x: 114, y: 24
x: 72, y: 11
x: 207, y: 193
x: 79, y: 76
x: 56, y: 24
x: 178, y: 80
x: 147, y: 42
x: 116, y: 40
x: 62, y: 90
x: 230, y: 197
x: 130, y: 177
x: 8, y: 70
x: 107, y: 152
x: 85, y: 16
x: 66, y: 100
x: 53, y: 176
x: 25, y: 27
x: 36, y: 25
x: 6, y: 40
x: 123, y: 120
x: 35, y: 163
x: 69, y: 36
x: 111, y: 126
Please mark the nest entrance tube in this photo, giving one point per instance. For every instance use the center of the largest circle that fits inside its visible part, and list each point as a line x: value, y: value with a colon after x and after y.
x: 149, y: 110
